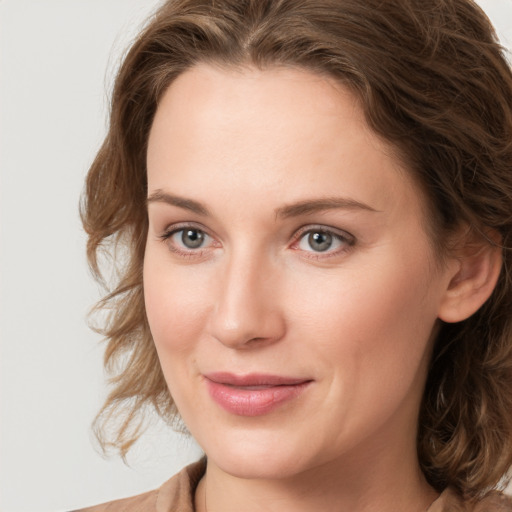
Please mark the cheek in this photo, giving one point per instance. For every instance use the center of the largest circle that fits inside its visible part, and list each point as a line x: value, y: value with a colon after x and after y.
x: 176, y: 304
x: 374, y: 319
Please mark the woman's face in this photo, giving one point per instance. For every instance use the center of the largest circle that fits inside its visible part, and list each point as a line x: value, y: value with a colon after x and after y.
x: 289, y: 282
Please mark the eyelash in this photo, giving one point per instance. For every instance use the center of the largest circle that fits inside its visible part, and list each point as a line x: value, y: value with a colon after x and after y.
x: 346, y: 240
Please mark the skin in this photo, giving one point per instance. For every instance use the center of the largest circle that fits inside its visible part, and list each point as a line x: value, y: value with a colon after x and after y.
x: 356, y: 319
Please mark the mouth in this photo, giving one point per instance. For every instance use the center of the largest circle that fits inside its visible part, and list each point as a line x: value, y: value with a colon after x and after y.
x: 253, y: 394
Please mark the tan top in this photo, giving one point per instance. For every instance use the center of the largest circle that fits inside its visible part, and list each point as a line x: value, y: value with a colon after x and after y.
x: 177, y: 495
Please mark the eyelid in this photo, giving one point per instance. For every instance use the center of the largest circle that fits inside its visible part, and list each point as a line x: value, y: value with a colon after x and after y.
x: 179, y: 226
x: 340, y: 233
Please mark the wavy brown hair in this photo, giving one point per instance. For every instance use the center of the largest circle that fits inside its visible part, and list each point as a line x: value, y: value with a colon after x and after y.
x: 433, y: 81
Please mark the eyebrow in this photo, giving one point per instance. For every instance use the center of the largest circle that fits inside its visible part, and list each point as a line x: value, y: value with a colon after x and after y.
x: 305, y: 207
x: 159, y: 196
x: 317, y: 205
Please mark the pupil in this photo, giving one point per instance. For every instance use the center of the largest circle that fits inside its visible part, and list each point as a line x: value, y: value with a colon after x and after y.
x: 192, y: 238
x: 320, y: 241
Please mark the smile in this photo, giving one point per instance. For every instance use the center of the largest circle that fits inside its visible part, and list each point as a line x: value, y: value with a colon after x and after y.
x: 254, y: 394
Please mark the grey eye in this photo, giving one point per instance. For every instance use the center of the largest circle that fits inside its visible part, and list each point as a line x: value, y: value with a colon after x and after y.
x: 317, y: 240
x: 192, y: 238
x: 320, y: 241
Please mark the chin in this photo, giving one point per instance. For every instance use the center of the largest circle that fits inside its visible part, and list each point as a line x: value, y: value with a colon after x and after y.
x: 262, y: 466
x: 251, y: 455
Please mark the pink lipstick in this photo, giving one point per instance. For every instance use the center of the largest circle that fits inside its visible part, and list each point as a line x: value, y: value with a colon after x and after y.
x: 253, y: 394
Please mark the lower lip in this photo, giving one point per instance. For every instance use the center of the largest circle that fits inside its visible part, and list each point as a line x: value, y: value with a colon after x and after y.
x: 244, y: 401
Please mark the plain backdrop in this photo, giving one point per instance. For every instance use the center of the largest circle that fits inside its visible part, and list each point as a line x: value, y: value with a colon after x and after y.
x: 57, y: 62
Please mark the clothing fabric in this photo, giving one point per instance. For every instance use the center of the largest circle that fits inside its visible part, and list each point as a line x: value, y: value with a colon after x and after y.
x: 177, y: 495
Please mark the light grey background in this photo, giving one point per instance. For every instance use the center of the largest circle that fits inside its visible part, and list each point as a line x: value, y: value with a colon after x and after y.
x: 57, y: 60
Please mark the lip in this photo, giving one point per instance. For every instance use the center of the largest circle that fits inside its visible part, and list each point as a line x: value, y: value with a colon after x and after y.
x: 253, y: 394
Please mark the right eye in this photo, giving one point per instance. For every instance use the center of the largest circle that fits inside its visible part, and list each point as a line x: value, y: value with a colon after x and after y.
x: 187, y: 240
x: 190, y: 238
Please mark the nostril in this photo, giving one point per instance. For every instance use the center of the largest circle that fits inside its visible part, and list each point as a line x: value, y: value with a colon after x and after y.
x: 254, y: 332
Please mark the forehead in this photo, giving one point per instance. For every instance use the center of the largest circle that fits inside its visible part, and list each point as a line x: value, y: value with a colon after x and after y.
x: 282, y: 133
x: 241, y: 98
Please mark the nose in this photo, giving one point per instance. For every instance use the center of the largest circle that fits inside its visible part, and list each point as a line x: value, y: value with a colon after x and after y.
x: 248, y: 312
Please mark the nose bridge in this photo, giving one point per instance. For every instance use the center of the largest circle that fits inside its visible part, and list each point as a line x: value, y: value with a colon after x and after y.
x: 246, y: 311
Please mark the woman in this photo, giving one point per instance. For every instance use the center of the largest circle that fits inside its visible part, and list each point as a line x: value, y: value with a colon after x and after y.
x: 315, y: 200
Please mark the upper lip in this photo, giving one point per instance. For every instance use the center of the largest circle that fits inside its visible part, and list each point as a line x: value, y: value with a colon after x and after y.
x: 254, y: 379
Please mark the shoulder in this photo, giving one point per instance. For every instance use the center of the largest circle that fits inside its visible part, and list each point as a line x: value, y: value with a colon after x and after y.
x: 175, y: 494
x: 146, y: 501
x: 450, y: 501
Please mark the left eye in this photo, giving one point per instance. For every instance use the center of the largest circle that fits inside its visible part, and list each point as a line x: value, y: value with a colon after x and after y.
x: 320, y: 241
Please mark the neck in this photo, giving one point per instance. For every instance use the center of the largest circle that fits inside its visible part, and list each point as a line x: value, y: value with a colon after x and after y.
x: 372, y: 483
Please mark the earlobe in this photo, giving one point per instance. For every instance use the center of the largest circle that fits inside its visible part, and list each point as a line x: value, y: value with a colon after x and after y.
x: 477, y: 271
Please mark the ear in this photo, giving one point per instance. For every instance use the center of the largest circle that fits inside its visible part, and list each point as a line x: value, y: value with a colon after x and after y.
x: 474, y: 274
